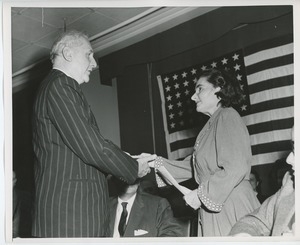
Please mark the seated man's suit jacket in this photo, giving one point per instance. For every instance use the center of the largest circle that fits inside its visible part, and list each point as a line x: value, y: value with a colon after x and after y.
x: 150, y: 216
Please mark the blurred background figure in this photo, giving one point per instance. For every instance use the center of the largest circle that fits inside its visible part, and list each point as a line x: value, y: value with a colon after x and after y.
x: 135, y: 213
x: 255, y: 182
x: 276, y: 216
x: 16, y: 208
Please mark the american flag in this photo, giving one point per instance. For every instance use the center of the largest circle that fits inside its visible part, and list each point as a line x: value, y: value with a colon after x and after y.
x: 265, y: 73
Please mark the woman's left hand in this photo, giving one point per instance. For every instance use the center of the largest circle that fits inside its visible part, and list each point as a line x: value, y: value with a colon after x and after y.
x: 192, y: 199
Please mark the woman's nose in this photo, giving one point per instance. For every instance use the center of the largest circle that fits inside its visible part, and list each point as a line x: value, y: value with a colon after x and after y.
x: 194, y: 97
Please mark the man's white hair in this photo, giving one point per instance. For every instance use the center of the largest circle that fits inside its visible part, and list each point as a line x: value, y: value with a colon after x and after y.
x: 70, y: 38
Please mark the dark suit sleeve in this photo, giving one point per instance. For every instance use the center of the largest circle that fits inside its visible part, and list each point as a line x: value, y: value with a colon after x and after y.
x: 166, y: 223
x: 72, y: 117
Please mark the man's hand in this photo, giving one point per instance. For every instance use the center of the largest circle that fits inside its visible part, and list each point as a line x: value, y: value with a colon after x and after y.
x: 143, y: 160
x: 192, y: 199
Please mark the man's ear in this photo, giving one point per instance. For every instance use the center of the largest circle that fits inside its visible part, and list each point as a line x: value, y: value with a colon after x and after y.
x: 67, y: 53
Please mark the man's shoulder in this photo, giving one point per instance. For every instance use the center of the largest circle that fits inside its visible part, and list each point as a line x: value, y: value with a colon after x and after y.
x: 152, y: 198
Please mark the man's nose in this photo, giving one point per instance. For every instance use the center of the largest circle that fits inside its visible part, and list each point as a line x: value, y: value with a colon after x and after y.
x: 93, y: 63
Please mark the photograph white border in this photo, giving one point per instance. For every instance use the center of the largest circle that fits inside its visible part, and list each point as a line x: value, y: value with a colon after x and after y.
x: 6, y: 123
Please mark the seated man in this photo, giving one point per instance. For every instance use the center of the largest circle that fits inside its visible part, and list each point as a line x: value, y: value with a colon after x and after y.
x: 276, y: 216
x: 255, y: 183
x: 135, y: 213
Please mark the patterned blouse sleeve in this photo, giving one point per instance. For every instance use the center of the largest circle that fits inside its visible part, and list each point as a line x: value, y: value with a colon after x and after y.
x: 180, y: 170
x: 233, y: 154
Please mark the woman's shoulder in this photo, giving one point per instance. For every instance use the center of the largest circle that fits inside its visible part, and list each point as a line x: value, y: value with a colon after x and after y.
x: 229, y: 112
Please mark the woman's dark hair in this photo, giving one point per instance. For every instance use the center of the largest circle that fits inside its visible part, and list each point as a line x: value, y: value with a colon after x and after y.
x: 230, y: 93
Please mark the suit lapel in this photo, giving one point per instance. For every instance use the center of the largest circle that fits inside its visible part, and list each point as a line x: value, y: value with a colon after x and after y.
x: 135, y: 216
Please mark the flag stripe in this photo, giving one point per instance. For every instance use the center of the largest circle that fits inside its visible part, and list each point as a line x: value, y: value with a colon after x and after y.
x: 182, y: 135
x: 180, y: 153
x: 271, y: 94
x: 276, y: 114
x: 267, y: 158
x: 274, y: 125
x: 283, y: 145
x: 182, y: 144
x: 271, y: 83
x: 269, y: 136
x: 270, y: 74
x: 272, y: 104
x: 273, y: 62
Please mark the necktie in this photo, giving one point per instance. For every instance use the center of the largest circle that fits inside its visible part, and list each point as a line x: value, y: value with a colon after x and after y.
x: 122, y: 224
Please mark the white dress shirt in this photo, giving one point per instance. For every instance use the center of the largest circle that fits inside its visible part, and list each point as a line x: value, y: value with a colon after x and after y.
x: 119, y: 212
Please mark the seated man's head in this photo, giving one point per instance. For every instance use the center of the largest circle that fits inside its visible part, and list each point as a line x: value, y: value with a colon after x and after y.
x: 124, y: 189
x: 291, y: 157
x: 254, y: 179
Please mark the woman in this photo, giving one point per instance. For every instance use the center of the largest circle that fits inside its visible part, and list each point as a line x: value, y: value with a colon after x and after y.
x: 221, y: 161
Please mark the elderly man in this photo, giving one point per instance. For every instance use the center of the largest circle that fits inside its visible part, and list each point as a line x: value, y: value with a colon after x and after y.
x: 72, y: 158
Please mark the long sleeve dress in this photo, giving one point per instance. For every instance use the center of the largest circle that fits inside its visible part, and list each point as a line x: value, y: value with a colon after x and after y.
x: 221, y: 165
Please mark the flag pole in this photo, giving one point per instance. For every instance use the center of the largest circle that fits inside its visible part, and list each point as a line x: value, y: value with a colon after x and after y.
x: 149, y: 71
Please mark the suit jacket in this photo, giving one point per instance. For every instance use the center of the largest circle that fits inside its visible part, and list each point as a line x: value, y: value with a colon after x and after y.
x: 275, y: 217
x: 72, y: 160
x: 150, y: 216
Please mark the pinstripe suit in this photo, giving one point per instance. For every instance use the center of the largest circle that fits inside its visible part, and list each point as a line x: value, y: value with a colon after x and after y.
x: 71, y: 162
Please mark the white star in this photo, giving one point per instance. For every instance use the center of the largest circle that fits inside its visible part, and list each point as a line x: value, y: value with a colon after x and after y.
x: 170, y: 107
x: 179, y: 104
x: 194, y: 71
x: 214, y: 65
x: 237, y: 67
x: 172, y: 125
x: 168, y: 88
x: 186, y: 92
x: 176, y: 86
x: 171, y: 116
x: 166, y: 79
x: 183, y: 74
x: 175, y: 76
x: 169, y: 97
x: 224, y: 61
x: 239, y: 77
x: 203, y: 67
x: 180, y: 113
x: 244, y: 107
x: 242, y: 87
x: 235, y: 57
x: 186, y: 83
x: 177, y: 95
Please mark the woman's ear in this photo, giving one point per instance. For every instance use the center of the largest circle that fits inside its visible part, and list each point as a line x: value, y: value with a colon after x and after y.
x: 67, y: 53
x: 217, y: 89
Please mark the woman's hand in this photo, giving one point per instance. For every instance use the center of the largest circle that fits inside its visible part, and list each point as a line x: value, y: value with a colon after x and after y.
x: 192, y: 199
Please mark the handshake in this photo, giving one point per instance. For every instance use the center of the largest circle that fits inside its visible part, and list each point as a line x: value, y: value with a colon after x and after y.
x: 145, y: 161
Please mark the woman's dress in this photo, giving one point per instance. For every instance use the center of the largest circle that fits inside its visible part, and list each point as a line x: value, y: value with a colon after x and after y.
x: 221, y: 163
